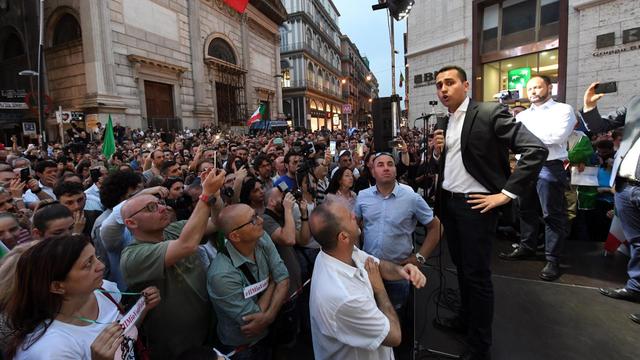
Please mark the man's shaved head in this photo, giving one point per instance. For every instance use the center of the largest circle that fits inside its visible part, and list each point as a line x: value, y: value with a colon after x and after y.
x: 134, y: 204
x: 233, y: 216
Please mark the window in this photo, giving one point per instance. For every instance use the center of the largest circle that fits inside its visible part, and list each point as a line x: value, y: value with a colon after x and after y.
x: 512, y: 23
x: 286, y: 78
x: 67, y: 29
x: 220, y: 49
x: 12, y: 47
x: 505, y: 75
x: 310, y: 73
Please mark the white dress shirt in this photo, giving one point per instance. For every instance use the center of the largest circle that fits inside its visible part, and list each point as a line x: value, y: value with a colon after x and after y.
x: 345, y: 320
x: 552, y: 123
x: 456, y: 177
x: 29, y: 197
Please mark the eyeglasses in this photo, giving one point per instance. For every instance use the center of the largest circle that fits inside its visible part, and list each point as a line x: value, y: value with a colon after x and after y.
x: 150, y: 207
x: 253, y: 221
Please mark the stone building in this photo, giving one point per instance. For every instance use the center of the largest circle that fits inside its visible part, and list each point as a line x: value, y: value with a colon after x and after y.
x: 358, y: 83
x: 311, y: 48
x: 166, y: 63
x: 501, y: 43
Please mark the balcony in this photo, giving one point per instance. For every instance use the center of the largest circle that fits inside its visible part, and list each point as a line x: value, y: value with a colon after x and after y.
x: 316, y: 85
x: 306, y: 46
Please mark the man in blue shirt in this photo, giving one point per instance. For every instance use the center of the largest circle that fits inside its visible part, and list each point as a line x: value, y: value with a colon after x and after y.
x: 389, y: 213
x: 291, y: 163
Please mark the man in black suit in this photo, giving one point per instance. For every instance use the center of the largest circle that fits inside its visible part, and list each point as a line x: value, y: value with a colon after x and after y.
x: 475, y: 179
x: 626, y: 177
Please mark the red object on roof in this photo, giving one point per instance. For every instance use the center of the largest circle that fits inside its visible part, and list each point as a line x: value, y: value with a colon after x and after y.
x: 239, y: 5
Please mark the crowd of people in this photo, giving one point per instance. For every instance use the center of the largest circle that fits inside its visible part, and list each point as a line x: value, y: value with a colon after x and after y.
x: 216, y: 235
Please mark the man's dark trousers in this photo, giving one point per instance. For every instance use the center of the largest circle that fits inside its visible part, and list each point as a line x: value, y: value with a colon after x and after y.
x: 628, y: 209
x: 470, y: 236
x: 549, y: 192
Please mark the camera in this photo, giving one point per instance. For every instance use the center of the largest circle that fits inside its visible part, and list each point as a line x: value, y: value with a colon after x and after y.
x: 303, y: 148
x: 284, y: 188
x: 238, y: 164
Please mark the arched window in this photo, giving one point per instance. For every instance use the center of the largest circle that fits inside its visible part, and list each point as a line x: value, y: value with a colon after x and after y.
x: 67, y: 29
x: 310, y: 73
x: 220, y: 49
x: 320, y: 78
x: 11, y: 47
x: 309, y: 38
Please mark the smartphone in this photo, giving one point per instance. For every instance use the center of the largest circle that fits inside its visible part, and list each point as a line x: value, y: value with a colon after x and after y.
x: 332, y: 147
x: 360, y: 150
x: 95, y: 175
x: 25, y: 175
x: 606, y: 88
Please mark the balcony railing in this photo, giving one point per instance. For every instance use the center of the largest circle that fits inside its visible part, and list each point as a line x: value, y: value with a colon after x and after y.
x: 306, y: 46
x: 316, y: 85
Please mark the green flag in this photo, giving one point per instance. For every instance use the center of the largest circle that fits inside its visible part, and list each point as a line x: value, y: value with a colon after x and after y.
x: 109, y: 143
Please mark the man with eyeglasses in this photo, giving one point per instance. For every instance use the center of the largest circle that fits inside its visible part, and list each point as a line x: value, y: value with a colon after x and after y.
x: 166, y: 255
x: 247, y: 283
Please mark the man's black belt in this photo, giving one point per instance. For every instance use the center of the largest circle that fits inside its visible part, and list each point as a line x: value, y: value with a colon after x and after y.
x: 621, y: 181
x: 454, y: 195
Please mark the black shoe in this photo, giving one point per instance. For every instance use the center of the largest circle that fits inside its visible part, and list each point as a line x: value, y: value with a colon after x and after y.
x: 621, y: 294
x: 454, y: 324
x: 520, y: 253
x: 550, y: 272
x: 635, y: 318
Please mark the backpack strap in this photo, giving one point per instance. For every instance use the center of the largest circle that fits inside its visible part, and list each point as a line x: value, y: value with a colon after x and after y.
x: 110, y: 297
x: 244, y: 267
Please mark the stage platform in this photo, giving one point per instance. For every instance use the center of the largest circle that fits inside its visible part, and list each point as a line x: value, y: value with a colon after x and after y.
x: 566, y: 319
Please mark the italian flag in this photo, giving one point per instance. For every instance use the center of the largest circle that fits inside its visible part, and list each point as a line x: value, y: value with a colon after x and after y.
x: 258, y: 115
x: 238, y: 5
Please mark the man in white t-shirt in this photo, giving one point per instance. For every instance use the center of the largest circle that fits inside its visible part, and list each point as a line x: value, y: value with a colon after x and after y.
x: 351, y: 315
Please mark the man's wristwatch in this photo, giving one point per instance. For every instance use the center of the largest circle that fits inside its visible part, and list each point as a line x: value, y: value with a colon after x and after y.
x: 421, y: 260
x: 208, y: 199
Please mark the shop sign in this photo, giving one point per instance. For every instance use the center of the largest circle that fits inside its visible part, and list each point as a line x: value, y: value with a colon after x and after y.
x: 13, y: 94
x: 29, y: 128
x: 13, y: 105
x: 518, y: 78
x: 629, y: 36
x: 317, y: 113
x: 426, y: 79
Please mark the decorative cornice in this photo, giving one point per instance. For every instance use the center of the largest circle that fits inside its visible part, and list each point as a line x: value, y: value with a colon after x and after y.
x: 232, y: 68
x: 589, y: 3
x: 433, y: 48
x: 136, y: 59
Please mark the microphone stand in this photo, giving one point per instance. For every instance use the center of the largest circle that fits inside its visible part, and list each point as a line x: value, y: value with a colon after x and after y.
x: 417, y: 347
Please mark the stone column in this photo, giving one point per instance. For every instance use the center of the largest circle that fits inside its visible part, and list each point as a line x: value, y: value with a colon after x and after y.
x: 99, y: 62
x: 278, y: 77
x: 202, y: 111
x: 246, y: 64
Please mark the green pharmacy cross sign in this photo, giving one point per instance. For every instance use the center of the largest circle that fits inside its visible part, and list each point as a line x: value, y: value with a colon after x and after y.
x: 518, y: 78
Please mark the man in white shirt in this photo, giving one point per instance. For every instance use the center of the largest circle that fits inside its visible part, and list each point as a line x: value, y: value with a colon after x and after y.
x: 47, y: 174
x: 552, y: 123
x: 351, y: 315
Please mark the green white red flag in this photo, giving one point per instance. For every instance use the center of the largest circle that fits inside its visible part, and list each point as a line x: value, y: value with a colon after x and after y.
x: 258, y: 115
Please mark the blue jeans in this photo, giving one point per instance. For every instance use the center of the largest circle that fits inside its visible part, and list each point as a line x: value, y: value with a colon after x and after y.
x: 627, y: 200
x: 550, y: 187
x: 398, y: 292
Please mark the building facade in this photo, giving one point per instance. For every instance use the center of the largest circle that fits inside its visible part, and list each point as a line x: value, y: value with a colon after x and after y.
x: 358, y: 84
x: 163, y: 63
x: 310, y: 46
x: 502, y: 43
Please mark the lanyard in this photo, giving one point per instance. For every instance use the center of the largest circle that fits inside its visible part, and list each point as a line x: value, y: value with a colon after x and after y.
x: 90, y: 321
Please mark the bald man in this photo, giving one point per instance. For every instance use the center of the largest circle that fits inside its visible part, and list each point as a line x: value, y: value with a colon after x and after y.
x: 165, y: 255
x: 351, y: 314
x: 247, y: 283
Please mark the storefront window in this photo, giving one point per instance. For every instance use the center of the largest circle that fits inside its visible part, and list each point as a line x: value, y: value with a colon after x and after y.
x: 506, y: 79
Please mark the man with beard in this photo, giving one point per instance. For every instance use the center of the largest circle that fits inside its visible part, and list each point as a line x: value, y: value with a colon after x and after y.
x: 165, y: 255
x: 351, y: 314
x: 153, y: 164
x: 552, y: 123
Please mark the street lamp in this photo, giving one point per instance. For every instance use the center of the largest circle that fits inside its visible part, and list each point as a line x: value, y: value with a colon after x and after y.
x: 28, y: 73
